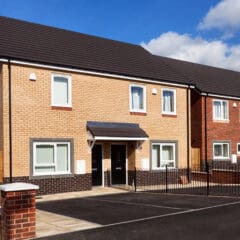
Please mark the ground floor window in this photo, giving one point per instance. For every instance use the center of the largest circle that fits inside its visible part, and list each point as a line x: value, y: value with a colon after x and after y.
x: 51, y: 158
x: 163, y: 154
x: 221, y: 150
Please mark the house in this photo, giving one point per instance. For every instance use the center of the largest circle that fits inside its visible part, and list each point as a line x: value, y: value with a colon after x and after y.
x: 215, y: 112
x: 78, y: 111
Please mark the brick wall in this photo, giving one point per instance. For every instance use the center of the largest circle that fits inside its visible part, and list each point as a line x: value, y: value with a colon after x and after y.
x: 94, y: 98
x: 216, y: 130
x: 18, y: 215
x: 56, y: 185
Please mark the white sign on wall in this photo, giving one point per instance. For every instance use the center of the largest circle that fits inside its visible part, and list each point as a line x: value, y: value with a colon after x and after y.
x: 145, y: 164
x: 80, y: 167
x: 234, y: 158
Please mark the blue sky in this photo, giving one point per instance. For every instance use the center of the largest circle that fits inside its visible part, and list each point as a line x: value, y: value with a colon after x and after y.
x: 183, y: 29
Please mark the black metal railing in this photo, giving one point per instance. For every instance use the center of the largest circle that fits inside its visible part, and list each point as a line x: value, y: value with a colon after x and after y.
x: 209, y: 178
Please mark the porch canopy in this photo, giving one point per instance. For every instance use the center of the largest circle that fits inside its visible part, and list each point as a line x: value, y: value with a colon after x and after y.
x: 115, y: 131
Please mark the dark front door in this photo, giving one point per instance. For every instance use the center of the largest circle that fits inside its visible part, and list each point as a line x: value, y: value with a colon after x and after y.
x: 97, y: 165
x: 118, y: 164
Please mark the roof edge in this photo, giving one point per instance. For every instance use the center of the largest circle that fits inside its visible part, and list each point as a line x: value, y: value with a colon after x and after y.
x: 92, y: 72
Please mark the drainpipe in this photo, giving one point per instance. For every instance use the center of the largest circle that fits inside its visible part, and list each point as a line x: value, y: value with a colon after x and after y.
x: 205, y: 125
x: 188, y: 138
x: 10, y: 118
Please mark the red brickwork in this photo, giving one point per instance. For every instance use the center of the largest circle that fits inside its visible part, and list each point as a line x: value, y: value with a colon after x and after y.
x: 216, y: 130
x: 18, y: 215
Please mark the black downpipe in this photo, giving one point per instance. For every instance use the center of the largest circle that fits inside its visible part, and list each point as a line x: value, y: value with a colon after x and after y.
x: 188, y: 139
x: 205, y: 126
x: 10, y: 118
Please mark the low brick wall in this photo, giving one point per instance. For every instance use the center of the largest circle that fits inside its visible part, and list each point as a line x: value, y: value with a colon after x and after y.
x: 58, y: 184
x: 145, y: 178
x: 18, y: 220
x: 220, y: 176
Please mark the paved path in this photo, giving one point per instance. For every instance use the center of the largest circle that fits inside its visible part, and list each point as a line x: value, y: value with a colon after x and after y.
x: 49, y: 223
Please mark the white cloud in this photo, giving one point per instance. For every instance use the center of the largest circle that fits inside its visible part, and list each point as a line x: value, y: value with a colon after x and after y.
x: 195, y: 49
x: 225, y: 16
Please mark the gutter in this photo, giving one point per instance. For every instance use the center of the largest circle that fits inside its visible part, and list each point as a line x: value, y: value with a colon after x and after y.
x: 10, y: 118
x: 97, y: 73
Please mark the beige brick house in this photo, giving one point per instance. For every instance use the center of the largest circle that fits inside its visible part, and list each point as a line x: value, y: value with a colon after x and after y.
x: 79, y: 111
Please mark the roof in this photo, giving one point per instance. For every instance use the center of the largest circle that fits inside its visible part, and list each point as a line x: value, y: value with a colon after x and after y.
x: 116, y: 130
x: 25, y: 41
x: 208, y: 79
x: 20, y: 40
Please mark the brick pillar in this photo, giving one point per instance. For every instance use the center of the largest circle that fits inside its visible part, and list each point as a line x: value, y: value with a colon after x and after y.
x: 18, y: 211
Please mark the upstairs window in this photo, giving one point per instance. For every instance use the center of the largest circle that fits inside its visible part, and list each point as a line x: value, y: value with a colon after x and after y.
x: 61, y: 91
x: 137, y: 98
x: 168, y: 101
x: 220, y: 110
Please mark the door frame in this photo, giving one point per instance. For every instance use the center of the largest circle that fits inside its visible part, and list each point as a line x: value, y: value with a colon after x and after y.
x: 126, y: 160
x: 102, y: 157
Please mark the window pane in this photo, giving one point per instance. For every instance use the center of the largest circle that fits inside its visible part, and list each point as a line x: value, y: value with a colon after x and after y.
x: 137, y: 98
x: 62, y: 157
x: 167, y: 153
x: 60, y: 91
x: 155, y: 156
x: 44, y: 154
x: 44, y: 170
x: 217, y: 150
x: 238, y: 147
x: 225, y: 110
x: 217, y: 109
x: 225, y: 150
x: 168, y: 101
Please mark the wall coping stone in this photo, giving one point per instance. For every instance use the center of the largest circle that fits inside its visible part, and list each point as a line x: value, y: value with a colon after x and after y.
x: 19, y: 186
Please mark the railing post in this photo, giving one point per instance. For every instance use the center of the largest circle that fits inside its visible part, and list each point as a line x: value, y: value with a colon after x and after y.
x: 208, y: 177
x: 166, y: 178
x: 135, y: 179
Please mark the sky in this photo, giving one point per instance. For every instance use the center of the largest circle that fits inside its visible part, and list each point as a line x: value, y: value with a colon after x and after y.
x: 201, y: 31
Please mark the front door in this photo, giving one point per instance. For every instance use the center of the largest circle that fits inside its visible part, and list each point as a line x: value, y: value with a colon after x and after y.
x: 118, y: 164
x: 97, y: 165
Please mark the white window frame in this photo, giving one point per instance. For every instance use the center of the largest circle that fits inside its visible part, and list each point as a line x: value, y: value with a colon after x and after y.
x: 222, y: 112
x: 174, y: 101
x: 144, y: 98
x: 221, y: 157
x: 54, y: 144
x: 238, y: 152
x: 69, y: 104
x: 161, y: 146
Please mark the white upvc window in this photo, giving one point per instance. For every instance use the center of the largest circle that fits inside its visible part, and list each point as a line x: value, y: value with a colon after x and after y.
x: 163, y: 154
x: 238, y: 148
x: 169, y: 101
x: 220, y: 109
x: 61, y: 90
x: 221, y: 150
x: 51, y: 158
x: 137, y: 97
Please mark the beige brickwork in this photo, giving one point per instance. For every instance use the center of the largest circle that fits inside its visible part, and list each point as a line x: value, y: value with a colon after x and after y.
x: 94, y: 98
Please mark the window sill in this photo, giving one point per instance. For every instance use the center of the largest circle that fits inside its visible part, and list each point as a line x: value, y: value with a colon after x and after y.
x: 52, y: 176
x: 138, y: 113
x: 220, y: 121
x: 169, y: 115
x: 221, y: 159
x: 61, y: 108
